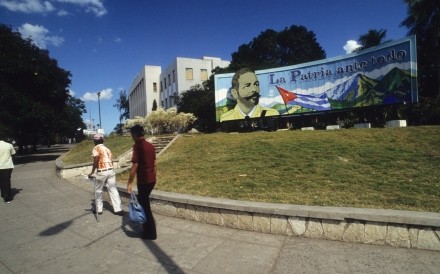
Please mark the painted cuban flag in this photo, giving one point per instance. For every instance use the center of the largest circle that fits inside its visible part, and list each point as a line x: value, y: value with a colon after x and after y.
x: 308, y: 101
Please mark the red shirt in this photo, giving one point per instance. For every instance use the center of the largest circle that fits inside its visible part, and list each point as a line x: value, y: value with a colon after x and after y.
x: 144, y: 155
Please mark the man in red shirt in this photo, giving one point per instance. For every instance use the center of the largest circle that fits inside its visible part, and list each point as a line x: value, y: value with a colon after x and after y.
x: 144, y: 168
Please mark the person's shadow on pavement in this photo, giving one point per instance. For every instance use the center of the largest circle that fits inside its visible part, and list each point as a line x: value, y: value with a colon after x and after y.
x: 135, y: 231
x: 15, y: 191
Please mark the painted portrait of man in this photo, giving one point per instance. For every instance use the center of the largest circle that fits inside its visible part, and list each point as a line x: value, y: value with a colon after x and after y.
x: 246, y: 91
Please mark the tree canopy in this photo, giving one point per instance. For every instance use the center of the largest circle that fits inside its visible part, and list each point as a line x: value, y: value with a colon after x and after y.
x: 200, y: 101
x: 34, y: 95
x: 293, y: 45
x: 423, y: 20
x: 372, y: 38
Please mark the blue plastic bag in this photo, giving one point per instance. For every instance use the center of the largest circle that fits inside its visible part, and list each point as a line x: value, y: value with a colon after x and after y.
x: 135, y: 210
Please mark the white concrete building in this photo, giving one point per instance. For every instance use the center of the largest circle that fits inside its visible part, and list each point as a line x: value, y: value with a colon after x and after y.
x: 152, y: 84
x: 143, y: 91
x: 182, y: 74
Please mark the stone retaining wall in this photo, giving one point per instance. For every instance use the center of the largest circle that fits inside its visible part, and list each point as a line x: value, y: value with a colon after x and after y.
x: 397, y: 228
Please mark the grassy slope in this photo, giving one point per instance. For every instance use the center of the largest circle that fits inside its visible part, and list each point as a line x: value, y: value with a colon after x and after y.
x: 374, y: 168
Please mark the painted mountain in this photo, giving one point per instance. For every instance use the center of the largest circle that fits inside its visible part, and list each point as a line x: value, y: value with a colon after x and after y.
x: 351, y: 89
x: 395, y: 86
x: 360, y: 90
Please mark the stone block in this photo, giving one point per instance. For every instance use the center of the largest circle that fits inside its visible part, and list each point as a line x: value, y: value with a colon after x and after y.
x: 214, y: 217
x: 333, y: 229
x: 332, y: 127
x: 73, y: 172
x: 354, y: 233
x: 183, y: 212
x: 191, y: 211
x: 230, y: 218
x: 427, y: 239
x: 202, y: 214
x: 375, y: 233
x: 244, y: 221
x: 396, y: 123
x: 398, y: 235
x: 261, y: 223
x: 164, y: 208
x: 297, y: 226
x: 362, y: 125
x: 278, y: 225
x: 413, y: 235
x: 314, y: 229
x: 307, y: 128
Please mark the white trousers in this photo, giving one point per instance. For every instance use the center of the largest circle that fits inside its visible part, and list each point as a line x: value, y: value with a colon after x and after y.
x: 108, y: 179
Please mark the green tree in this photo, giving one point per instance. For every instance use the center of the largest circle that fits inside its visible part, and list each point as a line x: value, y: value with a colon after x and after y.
x: 372, y: 38
x: 154, y: 105
x: 200, y: 101
x: 33, y: 91
x: 423, y: 20
x: 72, y: 119
x: 123, y: 106
x: 293, y: 45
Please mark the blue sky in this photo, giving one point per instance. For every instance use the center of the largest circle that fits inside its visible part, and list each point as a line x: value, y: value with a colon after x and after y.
x: 105, y: 43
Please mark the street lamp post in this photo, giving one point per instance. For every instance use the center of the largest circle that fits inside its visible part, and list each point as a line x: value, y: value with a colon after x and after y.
x: 99, y: 109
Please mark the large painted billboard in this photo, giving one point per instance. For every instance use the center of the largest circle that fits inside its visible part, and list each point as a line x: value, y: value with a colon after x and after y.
x: 386, y: 74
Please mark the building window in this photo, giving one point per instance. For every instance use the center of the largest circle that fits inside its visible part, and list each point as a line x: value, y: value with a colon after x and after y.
x: 155, y: 87
x: 174, y: 76
x: 189, y: 74
x: 164, y: 83
x: 161, y: 86
x: 169, y: 80
x: 203, y: 74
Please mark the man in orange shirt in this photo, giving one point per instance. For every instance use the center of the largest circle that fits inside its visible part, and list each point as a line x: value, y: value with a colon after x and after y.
x: 102, y: 162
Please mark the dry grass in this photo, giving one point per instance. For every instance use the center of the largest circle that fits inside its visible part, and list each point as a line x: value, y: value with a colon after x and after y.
x: 82, y: 152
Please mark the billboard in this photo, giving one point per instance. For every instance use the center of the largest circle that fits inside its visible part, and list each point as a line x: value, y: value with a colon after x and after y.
x: 386, y: 74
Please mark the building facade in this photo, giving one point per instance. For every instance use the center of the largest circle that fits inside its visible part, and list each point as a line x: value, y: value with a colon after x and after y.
x: 152, y: 84
x: 182, y: 74
x: 143, y: 91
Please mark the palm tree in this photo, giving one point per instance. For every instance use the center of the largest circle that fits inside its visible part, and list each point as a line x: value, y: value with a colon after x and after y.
x: 423, y: 20
x: 372, y: 38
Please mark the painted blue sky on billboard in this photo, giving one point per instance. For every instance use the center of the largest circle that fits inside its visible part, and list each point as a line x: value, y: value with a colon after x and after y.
x: 371, y: 77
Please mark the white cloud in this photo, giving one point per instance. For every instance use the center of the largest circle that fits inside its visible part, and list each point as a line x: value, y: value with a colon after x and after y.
x: 72, y: 93
x: 118, y: 40
x: 39, y: 35
x: 106, y: 94
x: 27, y: 6
x: 40, y: 6
x: 62, y: 12
x: 350, y: 46
x: 93, y: 6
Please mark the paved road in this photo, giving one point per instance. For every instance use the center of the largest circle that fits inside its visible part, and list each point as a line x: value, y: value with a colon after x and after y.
x: 48, y: 229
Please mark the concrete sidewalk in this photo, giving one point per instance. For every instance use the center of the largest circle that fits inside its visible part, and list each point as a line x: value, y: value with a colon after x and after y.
x: 48, y: 228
